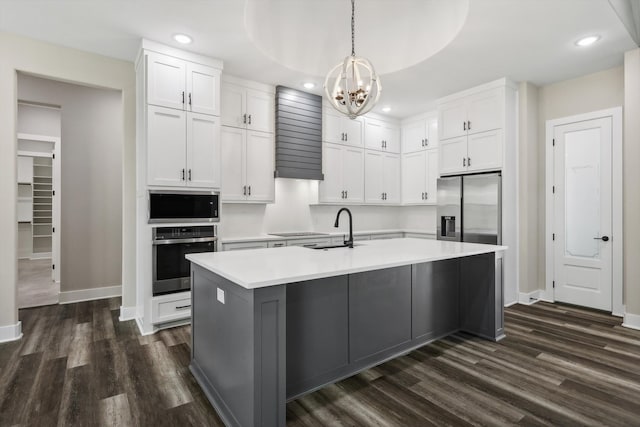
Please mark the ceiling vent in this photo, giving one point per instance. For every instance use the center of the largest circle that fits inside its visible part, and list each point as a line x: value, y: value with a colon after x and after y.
x: 298, y: 134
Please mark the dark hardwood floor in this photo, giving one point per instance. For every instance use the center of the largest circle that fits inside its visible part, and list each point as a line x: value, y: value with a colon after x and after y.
x: 559, y: 365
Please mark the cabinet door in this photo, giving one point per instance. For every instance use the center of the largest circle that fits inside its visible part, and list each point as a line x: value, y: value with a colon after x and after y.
x: 432, y: 133
x: 432, y: 177
x: 166, y: 77
x: 413, y: 136
x: 260, y: 111
x: 203, y: 87
x: 203, y: 150
x: 232, y: 100
x: 413, y: 177
x: 232, y: 148
x: 373, y: 134
x: 260, y: 165
x: 353, y: 130
x: 391, y: 137
x: 353, y: 173
x: 374, y: 177
x: 391, y: 180
x: 331, y: 189
x: 484, y: 111
x: 452, y: 119
x: 453, y: 155
x: 333, y: 131
x: 166, y: 147
x: 485, y: 151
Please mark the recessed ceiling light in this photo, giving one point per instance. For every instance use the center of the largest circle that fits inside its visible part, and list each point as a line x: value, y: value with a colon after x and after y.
x: 182, y: 38
x: 587, y: 41
x: 309, y: 85
x: 386, y: 109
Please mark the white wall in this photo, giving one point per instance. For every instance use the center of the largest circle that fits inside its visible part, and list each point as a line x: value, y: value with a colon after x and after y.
x: 91, y: 187
x: 61, y: 63
x: 39, y: 120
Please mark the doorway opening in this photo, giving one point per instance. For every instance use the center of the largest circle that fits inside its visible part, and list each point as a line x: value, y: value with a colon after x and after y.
x: 38, y: 207
x: 584, y: 210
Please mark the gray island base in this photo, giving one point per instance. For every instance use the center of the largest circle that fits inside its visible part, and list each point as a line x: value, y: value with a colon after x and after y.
x: 254, y: 349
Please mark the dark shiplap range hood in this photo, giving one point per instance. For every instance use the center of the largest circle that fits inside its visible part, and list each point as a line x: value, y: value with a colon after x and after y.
x: 298, y: 134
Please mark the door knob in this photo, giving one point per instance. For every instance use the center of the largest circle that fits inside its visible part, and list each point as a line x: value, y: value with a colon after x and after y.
x: 603, y: 238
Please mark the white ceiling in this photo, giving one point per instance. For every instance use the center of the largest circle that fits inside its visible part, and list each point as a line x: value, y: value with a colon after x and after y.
x: 530, y: 40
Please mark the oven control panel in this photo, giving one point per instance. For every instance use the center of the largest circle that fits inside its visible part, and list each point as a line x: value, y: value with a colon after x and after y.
x: 190, y: 232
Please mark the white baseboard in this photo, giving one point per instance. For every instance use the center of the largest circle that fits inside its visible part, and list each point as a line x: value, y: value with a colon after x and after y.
x: 631, y: 321
x: 90, y: 294
x: 11, y: 332
x: 127, y: 313
x: 509, y: 304
x: 144, y: 332
x: 528, y: 298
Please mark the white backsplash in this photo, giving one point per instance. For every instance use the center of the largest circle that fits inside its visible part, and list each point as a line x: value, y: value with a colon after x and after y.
x: 296, y: 209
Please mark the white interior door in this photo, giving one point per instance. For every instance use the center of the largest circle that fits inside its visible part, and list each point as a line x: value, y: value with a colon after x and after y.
x: 582, y: 213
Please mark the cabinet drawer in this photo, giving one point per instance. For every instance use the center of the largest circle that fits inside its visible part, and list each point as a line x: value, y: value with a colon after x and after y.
x: 243, y: 246
x: 170, y: 308
x: 277, y: 244
x: 309, y: 243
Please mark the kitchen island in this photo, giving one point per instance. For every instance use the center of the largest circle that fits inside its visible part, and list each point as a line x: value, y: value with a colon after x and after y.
x: 269, y: 325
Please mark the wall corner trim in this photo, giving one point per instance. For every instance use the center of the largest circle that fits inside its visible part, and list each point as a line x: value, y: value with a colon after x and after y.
x: 529, y: 298
x: 127, y: 313
x: 631, y: 321
x: 90, y: 294
x: 11, y: 332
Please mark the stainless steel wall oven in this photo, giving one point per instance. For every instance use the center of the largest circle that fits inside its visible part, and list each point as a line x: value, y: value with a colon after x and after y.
x: 171, y: 271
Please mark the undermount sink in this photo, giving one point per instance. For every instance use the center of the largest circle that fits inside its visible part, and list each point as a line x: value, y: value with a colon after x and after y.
x: 326, y: 247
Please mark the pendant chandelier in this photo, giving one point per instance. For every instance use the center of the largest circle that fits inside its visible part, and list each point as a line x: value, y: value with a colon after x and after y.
x: 353, y: 87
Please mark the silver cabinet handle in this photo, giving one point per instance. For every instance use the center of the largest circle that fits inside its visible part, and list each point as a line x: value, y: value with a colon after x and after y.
x: 342, y: 136
x: 182, y: 307
x: 468, y: 125
x: 244, y: 118
x: 464, y: 125
x: 189, y: 174
x: 244, y: 190
x: 249, y: 119
x: 346, y: 194
x: 182, y: 97
x: 464, y: 161
x: 310, y: 245
x: 249, y: 191
x: 422, y: 141
x: 423, y: 196
x: 189, y: 98
x: 426, y: 142
x: 468, y: 161
x: 183, y: 172
x: 426, y: 196
x: 346, y: 136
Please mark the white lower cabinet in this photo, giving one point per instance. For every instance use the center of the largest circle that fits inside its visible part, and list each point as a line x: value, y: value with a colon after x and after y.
x: 171, y: 308
x: 244, y: 245
x: 343, y: 168
x: 419, y: 177
x: 247, y: 159
x: 183, y: 148
x: 382, y: 177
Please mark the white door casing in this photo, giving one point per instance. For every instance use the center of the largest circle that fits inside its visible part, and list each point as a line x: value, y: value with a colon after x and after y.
x: 582, y: 213
x: 581, y: 265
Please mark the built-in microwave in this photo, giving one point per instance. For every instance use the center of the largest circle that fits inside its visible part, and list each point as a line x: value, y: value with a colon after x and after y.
x: 183, y: 206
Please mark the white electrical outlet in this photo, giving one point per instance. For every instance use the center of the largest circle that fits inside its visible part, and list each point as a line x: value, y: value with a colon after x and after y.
x: 221, y: 295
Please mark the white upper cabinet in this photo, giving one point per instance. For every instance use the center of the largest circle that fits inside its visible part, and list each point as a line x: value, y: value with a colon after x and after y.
x: 203, y: 150
x: 420, y: 135
x: 419, y: 177
x: 382, y: 177
x: 380, y: 135
x: 182, y: 85
x: 470, y: 126
x: 343, y: 169
x: 474, y: 113
x: 183, y: 148
x: 340, y: 129
x: 203, y: 89
x: 247, y: 108
x: 247, y: 165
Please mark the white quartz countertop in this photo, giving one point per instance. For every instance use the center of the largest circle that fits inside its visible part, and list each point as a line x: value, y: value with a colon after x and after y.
x: 257, y: 268
x: 325, y: 234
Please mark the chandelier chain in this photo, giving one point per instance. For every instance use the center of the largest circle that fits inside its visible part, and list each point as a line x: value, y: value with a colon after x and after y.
x: 353, y: 24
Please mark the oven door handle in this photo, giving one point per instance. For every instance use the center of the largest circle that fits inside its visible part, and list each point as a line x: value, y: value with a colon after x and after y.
x: 180, y: 241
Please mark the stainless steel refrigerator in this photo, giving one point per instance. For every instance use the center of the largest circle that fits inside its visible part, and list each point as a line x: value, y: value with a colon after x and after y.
x: 469, y: 208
